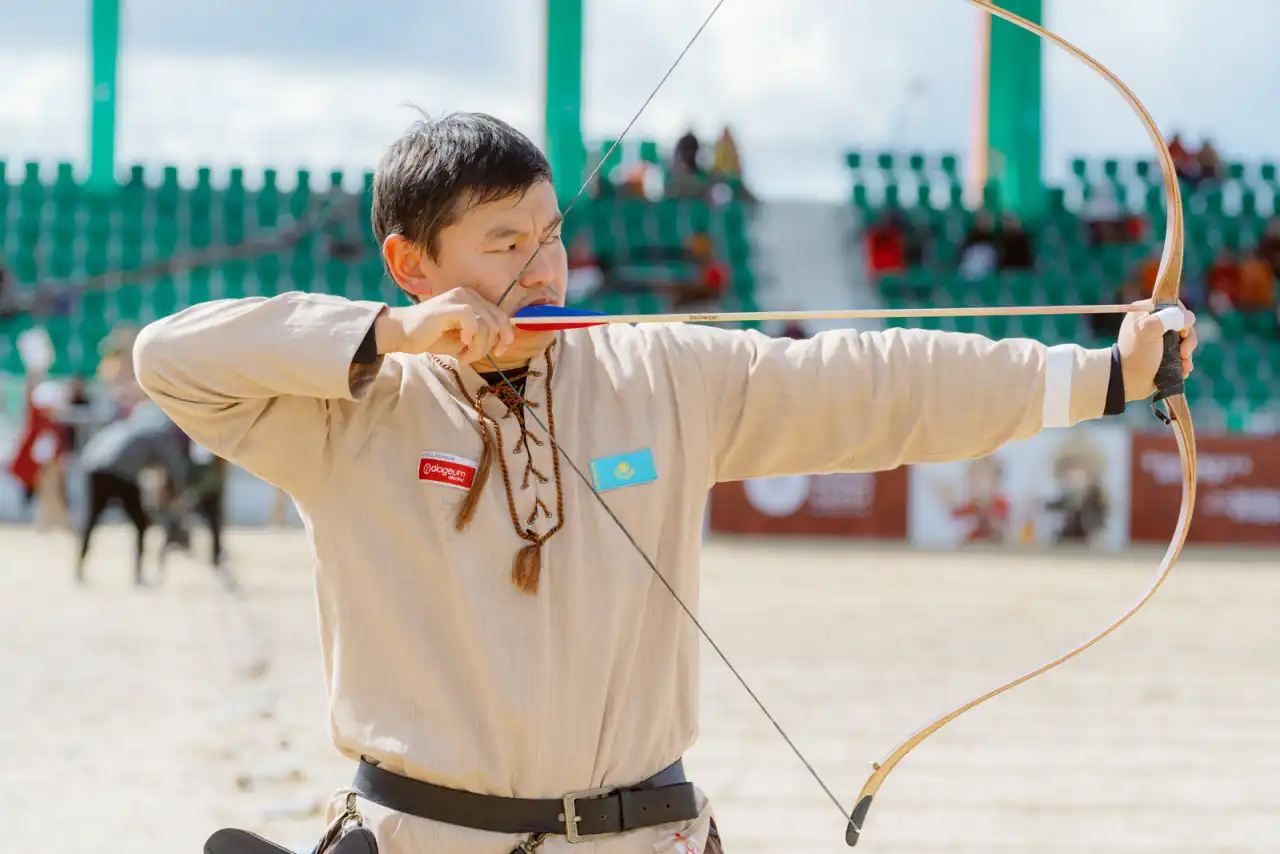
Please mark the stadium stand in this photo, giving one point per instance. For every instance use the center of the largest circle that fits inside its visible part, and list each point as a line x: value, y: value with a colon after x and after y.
x: 99, y: 261
x: 1097, y: 241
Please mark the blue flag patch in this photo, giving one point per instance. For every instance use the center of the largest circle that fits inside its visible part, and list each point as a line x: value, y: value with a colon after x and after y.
x: 629, y: 469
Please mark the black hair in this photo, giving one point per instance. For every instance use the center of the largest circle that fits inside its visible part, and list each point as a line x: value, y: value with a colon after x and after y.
x: 442, y: 167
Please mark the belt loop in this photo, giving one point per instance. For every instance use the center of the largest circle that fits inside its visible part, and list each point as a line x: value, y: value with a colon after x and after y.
x: 626, y: 809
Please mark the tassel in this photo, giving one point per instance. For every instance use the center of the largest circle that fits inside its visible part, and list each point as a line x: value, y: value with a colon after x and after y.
x: 527, y: 567
x: 469, y: 504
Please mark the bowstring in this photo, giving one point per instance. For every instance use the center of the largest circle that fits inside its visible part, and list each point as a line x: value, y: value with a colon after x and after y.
x: 528, y: 411
x: 616, y: 143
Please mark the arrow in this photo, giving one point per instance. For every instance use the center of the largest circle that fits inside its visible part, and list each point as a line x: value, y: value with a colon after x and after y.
x: 552, y: 317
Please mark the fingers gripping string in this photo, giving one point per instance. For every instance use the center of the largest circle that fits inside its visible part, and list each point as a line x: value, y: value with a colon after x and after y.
x: 616, y: 143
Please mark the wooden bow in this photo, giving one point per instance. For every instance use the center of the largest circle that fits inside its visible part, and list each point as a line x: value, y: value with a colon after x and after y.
x: 1169, y: 389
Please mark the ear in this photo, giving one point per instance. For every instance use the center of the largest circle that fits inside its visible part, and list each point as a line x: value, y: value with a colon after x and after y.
x: 408, y: 265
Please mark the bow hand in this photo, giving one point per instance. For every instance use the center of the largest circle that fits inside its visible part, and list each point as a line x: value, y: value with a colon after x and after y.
x: 1156, y: 352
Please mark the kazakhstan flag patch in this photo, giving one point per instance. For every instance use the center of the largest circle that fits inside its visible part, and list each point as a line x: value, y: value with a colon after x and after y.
x: 629, y: 469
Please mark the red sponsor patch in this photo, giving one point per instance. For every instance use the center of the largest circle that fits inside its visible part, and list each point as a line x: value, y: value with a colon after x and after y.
x: 447, y: 469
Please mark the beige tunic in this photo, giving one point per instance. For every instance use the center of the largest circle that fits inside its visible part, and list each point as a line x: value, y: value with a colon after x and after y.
x: 436, y: 665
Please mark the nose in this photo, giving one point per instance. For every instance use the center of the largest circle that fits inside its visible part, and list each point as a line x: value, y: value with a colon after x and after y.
x: 541, y: 269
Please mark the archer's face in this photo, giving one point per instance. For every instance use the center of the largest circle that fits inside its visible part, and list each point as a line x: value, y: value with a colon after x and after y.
x: 492, y: 245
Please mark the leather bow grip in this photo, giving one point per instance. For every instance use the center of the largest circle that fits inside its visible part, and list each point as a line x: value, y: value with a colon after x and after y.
x: 1169, y: 380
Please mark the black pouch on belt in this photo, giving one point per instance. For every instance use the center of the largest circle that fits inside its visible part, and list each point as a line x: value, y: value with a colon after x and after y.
x: 346, y: 835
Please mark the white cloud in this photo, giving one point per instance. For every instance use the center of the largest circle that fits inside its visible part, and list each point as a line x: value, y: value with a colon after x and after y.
x: 801, y: 82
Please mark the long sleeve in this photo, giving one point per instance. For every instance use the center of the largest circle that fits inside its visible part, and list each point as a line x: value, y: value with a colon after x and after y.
x: 250, y: 379
x: 846, y: 401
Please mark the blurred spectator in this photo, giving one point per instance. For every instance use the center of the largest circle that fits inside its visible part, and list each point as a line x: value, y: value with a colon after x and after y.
x: 1143, y: 278
x: 6, y: 295
x: 1014, y: 244
x: 685, y: 157
x: 1106, y: 220
x: 1223, y: 282
x: 980, y: 253
x: 1241, y: 282
x: 726, y: 165
x: 37, y: 463
x: 1184, y: 162
x: 725, y: 161
x: 685, y: 177
x: 1210, y: 163
x: 886, y: 245
x: 711, y: 276
x: 1257, y: 285
x: 1269, y: 245
x: 586, y: 276
x: 794, y: 329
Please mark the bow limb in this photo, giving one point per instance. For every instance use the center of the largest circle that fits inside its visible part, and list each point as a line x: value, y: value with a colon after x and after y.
x: 1169, y: 389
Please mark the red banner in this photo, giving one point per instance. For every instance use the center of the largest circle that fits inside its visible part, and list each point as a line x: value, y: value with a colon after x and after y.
x: 1238, y: 489
x: 849, y: 505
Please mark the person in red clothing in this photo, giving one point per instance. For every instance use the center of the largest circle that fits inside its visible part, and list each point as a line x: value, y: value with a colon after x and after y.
x: 1223, y: 282
x: 43, y: 443
x: 711, y: 277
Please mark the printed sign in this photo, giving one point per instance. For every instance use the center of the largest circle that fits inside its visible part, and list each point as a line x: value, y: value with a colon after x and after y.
x: 1237, y: 496
x: 872, y: 504
x: 1061, y: 485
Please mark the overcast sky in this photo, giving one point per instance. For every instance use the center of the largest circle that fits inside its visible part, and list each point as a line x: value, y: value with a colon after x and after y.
x: 323, y: 83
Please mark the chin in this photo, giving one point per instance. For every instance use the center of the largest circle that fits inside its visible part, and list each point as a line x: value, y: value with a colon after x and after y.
x: 531, y: 341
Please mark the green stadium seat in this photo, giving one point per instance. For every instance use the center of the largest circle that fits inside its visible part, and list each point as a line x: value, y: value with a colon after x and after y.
x: 267, y: 273
x: 1258, y: 391
x: 233, y: 274
x: 950, y: 166
x: 163, y: 299
x: 1224, y: 391
x: 1210, y: 358
x: 199, y: 285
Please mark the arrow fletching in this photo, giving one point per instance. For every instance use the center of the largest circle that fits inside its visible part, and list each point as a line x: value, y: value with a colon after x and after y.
x: 553, y: 317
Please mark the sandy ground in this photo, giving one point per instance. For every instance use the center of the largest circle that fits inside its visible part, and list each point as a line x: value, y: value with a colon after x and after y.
x: 132, y: 723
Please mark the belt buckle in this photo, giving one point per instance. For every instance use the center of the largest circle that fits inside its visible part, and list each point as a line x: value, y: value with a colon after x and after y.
x: 571, y: 818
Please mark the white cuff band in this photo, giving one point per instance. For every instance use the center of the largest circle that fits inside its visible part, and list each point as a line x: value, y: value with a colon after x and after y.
x: 1059, y: 367
x: 1171, y: 318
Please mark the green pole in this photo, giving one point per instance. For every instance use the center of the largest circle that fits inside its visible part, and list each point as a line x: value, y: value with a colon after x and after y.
x: 564, y: 146
x: 1015, y: 117
x: 104, y: 47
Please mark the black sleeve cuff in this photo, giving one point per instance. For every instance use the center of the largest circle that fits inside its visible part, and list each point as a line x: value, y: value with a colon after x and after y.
x: 367, y: 352
x: 1115, y: 386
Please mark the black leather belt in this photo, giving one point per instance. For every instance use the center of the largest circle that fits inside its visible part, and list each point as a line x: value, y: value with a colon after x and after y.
x: 664, y: 797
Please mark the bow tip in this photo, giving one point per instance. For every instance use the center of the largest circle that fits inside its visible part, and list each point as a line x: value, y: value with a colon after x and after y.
x: 856, y: 820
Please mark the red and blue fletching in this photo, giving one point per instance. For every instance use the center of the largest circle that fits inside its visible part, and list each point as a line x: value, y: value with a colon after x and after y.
x: 570, y: 318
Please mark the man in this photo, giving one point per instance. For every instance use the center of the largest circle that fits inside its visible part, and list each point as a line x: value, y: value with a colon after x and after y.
x: 113, y: 462
x: 486, y: 626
